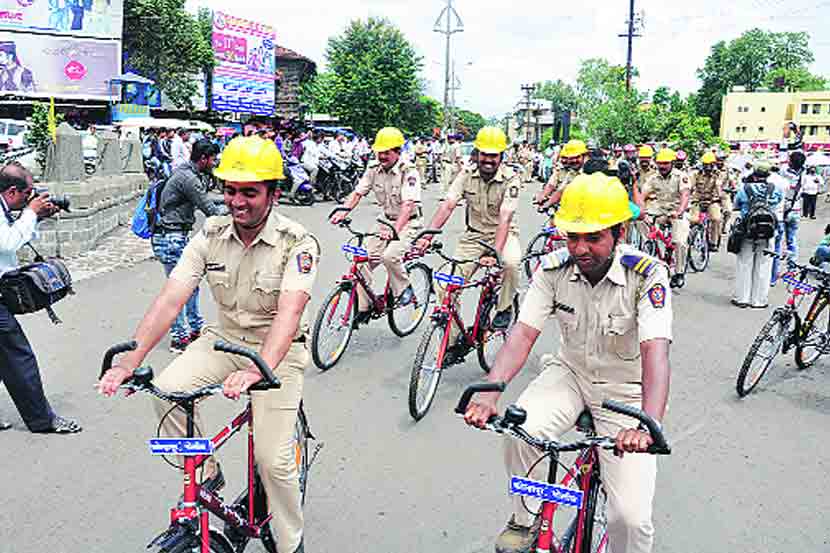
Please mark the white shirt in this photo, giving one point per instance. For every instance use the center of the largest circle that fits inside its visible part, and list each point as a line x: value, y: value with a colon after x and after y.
x: 179, y: 152
x: 783, y: 186
x: 311, y: 153
x: 810, y: 184
x: 13, y: 237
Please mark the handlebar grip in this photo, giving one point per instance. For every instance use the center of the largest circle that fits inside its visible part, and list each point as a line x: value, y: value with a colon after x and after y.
x: 267, y: 373
x: 659, y: 447
x: 461, y: 408
x: 110, y: 354
x: 337, y: 210
x: 386, y: 223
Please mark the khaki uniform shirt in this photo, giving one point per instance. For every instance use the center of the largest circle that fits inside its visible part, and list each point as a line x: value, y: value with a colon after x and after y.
x: 563, y: 178
x: 662, y: 195
x: 421, y: 152
x: 392, y: 188
x: 246, y: 281
x: 601, y: 339
x: 706, y: 188
x: 485, y: 200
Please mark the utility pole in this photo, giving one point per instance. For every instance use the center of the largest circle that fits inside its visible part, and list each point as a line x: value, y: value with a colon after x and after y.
x: 448, y: 23
x: 528, y: 89
x: 633, y: 26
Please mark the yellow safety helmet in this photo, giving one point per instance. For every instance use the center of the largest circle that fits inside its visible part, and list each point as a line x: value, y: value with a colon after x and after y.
x: 574, y: 148
x: 490, y: 140
x: 592, y: 203
x: 388, y: 138
x: 708, y: 157
x: 666, y: 155
x: 250, y: 159
x: 645, y: 151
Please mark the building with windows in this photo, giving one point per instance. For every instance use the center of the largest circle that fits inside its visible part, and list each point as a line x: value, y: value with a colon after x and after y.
x: 760, y: 116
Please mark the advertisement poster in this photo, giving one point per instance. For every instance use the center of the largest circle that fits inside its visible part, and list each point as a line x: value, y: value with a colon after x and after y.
x: 243, y: 79
x: 81, y: 18
x: 44, y: 66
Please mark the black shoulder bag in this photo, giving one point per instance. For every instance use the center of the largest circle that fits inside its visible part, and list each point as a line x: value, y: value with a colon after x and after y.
x: 36, y: 286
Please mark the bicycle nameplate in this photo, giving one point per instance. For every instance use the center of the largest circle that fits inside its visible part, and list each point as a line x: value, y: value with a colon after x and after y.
x: 458, y: 280
x: 795, y: 283
x: 354, y: 250
x: 546, y: 492
x: 181, y: 446
x: 550, y: 230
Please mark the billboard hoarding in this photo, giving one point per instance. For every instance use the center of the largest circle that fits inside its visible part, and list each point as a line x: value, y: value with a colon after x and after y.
x: 44, y: 66
x: 80, y: 18
x: 243, y: 79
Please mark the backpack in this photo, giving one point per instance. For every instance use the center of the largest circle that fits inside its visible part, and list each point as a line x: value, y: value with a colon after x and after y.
x: 148, y: 211
x: 761, y: 221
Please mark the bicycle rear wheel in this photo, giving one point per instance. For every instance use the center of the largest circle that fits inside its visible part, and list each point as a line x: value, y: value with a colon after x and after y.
x: 813, y: 342
x: 333, y: 328
x: 426, y: 371
x: 491, y: 341
x: 595, y: 534
x: 650, y: 247
x: 764, y: 349
x: 404, y: 320
x: 698, y: 249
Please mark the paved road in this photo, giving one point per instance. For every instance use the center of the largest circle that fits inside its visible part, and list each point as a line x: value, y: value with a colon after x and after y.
x: 745, y: 475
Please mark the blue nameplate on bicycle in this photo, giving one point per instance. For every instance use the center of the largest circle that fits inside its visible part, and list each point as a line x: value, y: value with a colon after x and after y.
x: 546, y: 492
x: 355, y: 250
x: 551, y: 230
x: 458, y: 280
x: 795, y: 283
x: 181, y: 446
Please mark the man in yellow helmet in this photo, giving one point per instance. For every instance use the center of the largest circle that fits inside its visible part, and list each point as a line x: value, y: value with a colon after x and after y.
x: 261, y: 267
x: 491, y: 190
x: 666, y: 194
x: 706, y: 196
x: 614, y: 344
x: 646, y: 163
x: 453, y: 161
x: 396, y: 186
x: 573, y: 157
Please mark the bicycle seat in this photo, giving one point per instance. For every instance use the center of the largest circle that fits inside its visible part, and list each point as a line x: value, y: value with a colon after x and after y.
x: 585, y: 422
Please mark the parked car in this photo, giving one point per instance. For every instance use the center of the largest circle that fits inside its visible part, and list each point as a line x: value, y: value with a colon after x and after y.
x: 12, y: 134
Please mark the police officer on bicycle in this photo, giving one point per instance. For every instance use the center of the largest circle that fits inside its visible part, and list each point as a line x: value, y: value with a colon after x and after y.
x: 396, y: 184
x: 261, y: 267
x: 614, y: 345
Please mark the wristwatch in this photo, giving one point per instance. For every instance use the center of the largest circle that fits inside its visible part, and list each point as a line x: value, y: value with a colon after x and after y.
x: 643, y: 428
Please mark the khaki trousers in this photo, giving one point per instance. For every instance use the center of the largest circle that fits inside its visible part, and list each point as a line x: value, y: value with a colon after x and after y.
x: 511, y: 257
x: 391, y: 255
x: 716, y: 223
x: 274, y: 417
x: 553, y: 401
x: 421, y: 166
x: 448, y: 172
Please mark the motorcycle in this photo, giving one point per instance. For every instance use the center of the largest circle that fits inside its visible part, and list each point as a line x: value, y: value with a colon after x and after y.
x: 296, y: 186
x: 336, y: 178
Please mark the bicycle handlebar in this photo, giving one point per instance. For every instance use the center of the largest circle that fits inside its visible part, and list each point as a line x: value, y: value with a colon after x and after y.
x: 473, y: 389
x: 270, y: 379
x: 386, y: 223
x: 113, y: 351
x: 659, y: 447
x: 816, y: 271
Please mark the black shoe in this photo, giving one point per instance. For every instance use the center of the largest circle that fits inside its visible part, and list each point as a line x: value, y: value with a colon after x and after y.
x: 178, y: 345
x: 5, y: 425
x: 677, y: 281
x: 406, y: 297
x: 194, y: 335
x: 737, y: 303
x: 455, y: 354
x: 503, y: 319
x: 215, y: 482
x: 362, y: 318
x: 60, y: 425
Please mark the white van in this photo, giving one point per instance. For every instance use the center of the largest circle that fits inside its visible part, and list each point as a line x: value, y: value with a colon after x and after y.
x: 12, y: 133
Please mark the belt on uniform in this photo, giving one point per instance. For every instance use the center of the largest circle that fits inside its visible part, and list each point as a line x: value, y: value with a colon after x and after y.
x: 171, y: 230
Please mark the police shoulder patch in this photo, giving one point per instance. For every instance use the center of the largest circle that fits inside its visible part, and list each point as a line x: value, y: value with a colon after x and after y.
x: 514, y: 191
x: 556, y: 259
x: 639, y: 263
x: 305, y: 262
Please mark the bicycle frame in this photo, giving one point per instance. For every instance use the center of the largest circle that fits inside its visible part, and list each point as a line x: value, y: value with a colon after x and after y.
x: 655, y: 232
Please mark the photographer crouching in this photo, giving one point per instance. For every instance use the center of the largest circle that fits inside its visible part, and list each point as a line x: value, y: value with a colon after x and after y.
x: 19, y: 370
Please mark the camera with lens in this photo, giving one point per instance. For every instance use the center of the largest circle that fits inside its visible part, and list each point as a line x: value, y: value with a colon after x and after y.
x: 61, y: 202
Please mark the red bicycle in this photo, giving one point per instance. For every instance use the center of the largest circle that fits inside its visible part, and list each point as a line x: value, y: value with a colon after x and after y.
x: 580, y: 488
x: 432, y: 356
x: 658, y: 243
x: 336, y: 319
x: 546, y: 241
x: 247, y: 516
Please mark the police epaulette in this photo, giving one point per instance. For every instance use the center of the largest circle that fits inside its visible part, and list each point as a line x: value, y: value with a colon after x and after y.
x: 556, y: 259
x: 639, y: 263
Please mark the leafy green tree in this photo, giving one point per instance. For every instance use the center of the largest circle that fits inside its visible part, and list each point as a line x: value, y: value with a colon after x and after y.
x: 376, y: 71
x: 38, y: 135
x: 794, y: 79
x: 318, y: 93
x: 469, y: 123
x: 422, y: 117
x: 560, y: 94
x: 166, y: 43
x: 597, y: 81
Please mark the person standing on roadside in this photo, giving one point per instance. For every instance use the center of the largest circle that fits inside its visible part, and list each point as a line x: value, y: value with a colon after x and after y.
x: 180, y: 197
x: 788, y: 225
x: 810, y: 188
x: 19, y: 370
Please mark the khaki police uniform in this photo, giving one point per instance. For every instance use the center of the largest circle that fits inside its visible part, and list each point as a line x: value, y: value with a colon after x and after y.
x: 391, y: 189
x: 598, y: 359
x: 421, y: 153
x: 563, y: 178
x: 706, y: 195
x: 246, y: 283
x: 484, y: 202
x: 662, y: 197
x: 452, y: 165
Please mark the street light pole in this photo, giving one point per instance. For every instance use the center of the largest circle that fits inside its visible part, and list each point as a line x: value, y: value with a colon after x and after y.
x: 453, y: 24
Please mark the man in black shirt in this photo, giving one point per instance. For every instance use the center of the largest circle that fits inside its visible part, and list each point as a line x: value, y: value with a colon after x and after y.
x: 180, y: 197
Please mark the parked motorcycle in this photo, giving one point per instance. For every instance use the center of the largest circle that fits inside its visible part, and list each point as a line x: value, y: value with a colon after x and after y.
x: 336, y: 178
x: 296, y: 186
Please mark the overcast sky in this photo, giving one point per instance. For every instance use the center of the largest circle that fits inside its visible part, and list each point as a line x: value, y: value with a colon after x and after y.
x: 508, y: 43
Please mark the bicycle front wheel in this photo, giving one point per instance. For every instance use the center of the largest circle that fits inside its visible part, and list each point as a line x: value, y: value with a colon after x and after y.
x: 491, y: 341
x: 333, y: 328
x: 595, y: 531
x: 404, y: 320
x: 192, y: 544
x: 426, y: 371
x: 812, y: 341
x: 698, y: 249
x: 764, y: 349
x: 541, y: 245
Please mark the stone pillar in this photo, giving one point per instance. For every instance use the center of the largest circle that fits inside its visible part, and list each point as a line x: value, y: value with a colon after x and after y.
x: 109, y: 154
x: 65, y: 161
